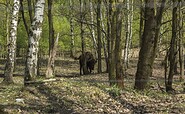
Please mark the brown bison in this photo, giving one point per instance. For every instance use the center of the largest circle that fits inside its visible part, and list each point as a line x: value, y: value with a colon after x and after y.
x: 87, y: 62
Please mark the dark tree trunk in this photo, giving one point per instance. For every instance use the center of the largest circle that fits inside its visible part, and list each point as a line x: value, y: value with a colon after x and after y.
x: 119, y: 46
x: 85, y: 71
x: 173, y: 49
x: 23, y: 17
x: 181, y: 48
x: 141, y: 22
x: 50, y: 72
x: 145, y: 63
x: 104, y: 36
x: 72, y: 28
x: 115, y: 63
x: 111, y: 43
x: 50, y: 21
x: 149, y: 44
x: 30, y: 9
x: 108, y: 14
x: 99, y: 35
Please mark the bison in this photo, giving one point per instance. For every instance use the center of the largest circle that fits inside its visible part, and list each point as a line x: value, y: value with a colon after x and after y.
x: 87, y: 62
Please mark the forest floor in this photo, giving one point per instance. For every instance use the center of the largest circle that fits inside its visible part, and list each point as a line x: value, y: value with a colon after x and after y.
x: 89, y: 94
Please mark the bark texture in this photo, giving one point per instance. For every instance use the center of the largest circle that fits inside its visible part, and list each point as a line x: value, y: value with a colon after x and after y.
x: 50, y: 72
x: 99, y: 35
x: 115, y: 43
x: 149, y: 43
x: 33, y: 41
x: 9, y: 67
x: 173, y: 47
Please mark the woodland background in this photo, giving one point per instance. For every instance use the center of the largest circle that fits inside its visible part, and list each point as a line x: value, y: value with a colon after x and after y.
x: 138, y: 45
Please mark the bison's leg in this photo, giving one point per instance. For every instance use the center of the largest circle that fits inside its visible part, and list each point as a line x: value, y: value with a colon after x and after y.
x: 80, y: 70
x: 90, y: 70
x: 85, y: 70
x: 81, y: 66
x: 84, y: 67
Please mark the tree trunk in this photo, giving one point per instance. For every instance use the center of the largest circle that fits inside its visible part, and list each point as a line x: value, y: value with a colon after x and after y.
x: 173, y: 48
x: 104, y: 41
x: 111, y: 42
x: 30, y: 10
x: 52, y: 51
x: 23, y: 17
x: 85, y: 71
x: 7, y: 22
x: 108, y: 15
x: 72, y: 28
x: 129, y: 18
x: 93, y: 35
x: 82, y: 26
x: 99, y: 35
x: 115, y: 63
x: 141, y: 22
x: 181, y: 58
x: 149, y: 44
x: 51, y: 29
x: 33, y: 42
x: 181, y: 48
x: 50, y: 72
x: 119, y: 46
x: 145, y: 64
x: 9, y: 67
x: 72, y: 38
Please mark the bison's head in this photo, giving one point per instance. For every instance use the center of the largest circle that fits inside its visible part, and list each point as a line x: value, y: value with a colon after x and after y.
x: 91, y: 63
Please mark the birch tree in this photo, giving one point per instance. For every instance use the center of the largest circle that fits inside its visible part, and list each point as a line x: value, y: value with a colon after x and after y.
x: 33, y: 41
x: 129, y: 18
x: 93, y: 35
x: 9, y: 67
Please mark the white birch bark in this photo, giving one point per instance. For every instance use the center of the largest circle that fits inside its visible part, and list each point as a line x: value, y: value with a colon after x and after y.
x: 8, y: 73
x: 33, y: 42
x: 129, y: 19
x: 92, y: 27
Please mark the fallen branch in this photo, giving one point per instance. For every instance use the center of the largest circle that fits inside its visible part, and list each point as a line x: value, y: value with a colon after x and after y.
x: 43, y: 81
